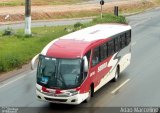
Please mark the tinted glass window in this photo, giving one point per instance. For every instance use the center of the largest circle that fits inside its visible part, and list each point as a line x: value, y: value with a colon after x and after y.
x: 117, y: 44
x: 110, y: 47
x: 59, y: 73
x: 96, y: 56
x: 123, y: 41
x: 103, y: 51
x: 128, y: 37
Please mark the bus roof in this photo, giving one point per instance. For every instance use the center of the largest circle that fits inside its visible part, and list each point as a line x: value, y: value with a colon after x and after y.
x: 74, y: 45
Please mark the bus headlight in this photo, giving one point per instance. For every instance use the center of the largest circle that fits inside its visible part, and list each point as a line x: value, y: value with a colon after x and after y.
x: 38, y: 89
x: 73, y: 92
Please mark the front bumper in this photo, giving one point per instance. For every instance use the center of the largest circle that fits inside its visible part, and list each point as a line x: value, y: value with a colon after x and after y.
x: 76, y: 99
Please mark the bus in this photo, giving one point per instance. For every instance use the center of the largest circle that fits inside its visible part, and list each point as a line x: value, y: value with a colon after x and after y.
x: 73, y: 67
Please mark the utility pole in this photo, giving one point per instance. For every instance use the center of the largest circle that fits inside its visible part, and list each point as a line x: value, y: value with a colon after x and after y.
x: 101, y: 11
x: 28, y: 17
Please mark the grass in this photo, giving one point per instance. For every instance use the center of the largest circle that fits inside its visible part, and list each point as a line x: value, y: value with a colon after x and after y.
x: 38, y: 2
x: 17, y: 49
x: 109, y: 18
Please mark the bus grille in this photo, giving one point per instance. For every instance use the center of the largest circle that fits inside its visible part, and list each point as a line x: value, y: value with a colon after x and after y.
x: 58, y: 100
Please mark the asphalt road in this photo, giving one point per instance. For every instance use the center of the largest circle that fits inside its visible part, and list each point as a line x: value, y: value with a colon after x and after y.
x: 141, y: 80
x: 44, y: 23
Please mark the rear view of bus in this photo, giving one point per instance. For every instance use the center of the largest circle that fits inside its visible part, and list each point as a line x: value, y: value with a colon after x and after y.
x: 73, y: 67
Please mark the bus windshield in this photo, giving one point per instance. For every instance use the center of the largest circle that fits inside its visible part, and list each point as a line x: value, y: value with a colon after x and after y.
x: 59, y: 73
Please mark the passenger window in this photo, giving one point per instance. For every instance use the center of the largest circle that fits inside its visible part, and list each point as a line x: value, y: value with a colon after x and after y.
x: 123, y: 40
x: 110, y: 47
x: 119, y: 41
x: 128, y: 37
x: 117, y: 44
x: 96, y: 56
x: 103, y: 51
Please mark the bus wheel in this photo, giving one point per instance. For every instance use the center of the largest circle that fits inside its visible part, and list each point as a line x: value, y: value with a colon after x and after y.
x: 89, y: 96
x: 116, y: 75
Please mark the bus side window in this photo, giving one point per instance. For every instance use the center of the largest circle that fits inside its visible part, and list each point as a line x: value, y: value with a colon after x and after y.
x: 88, y: 56
x: 95, y: 56
x: 117, y: 44
x: 110, y: 47
x: 128, y: 37
x: 103, y: 51
x: 123, y: 40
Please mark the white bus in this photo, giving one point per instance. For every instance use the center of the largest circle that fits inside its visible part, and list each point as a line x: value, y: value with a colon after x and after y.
x: 73, y: 67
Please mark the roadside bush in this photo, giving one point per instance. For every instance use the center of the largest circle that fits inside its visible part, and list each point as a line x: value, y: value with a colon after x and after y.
x: 8, y: 32
x: 8, y: 62
x: 110, y: 18
x: 78, y: 25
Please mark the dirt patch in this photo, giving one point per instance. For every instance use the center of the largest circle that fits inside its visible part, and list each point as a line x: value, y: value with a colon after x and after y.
x: 69, y: 11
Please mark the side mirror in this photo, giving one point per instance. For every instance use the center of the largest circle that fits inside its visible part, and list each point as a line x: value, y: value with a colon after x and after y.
x: 33, y: 62
x: 85, y: 64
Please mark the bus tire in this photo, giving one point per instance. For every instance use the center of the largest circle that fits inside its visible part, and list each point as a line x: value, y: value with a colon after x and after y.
x: 115, y: 79
x: 89, y: 96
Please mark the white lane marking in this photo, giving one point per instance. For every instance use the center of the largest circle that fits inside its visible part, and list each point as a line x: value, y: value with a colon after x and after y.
x: 133, y: 44
x: 115, y: 90
x: 10, y: 82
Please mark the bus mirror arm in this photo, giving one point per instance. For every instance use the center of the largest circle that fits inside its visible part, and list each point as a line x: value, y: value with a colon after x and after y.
x: 85, y: 64
x: 33, y: 62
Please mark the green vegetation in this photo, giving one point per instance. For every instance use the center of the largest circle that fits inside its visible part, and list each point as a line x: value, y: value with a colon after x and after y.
x: 11, y: 3
x: 17, y: 49
x: 39, y: 2
x: 109, y: 18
